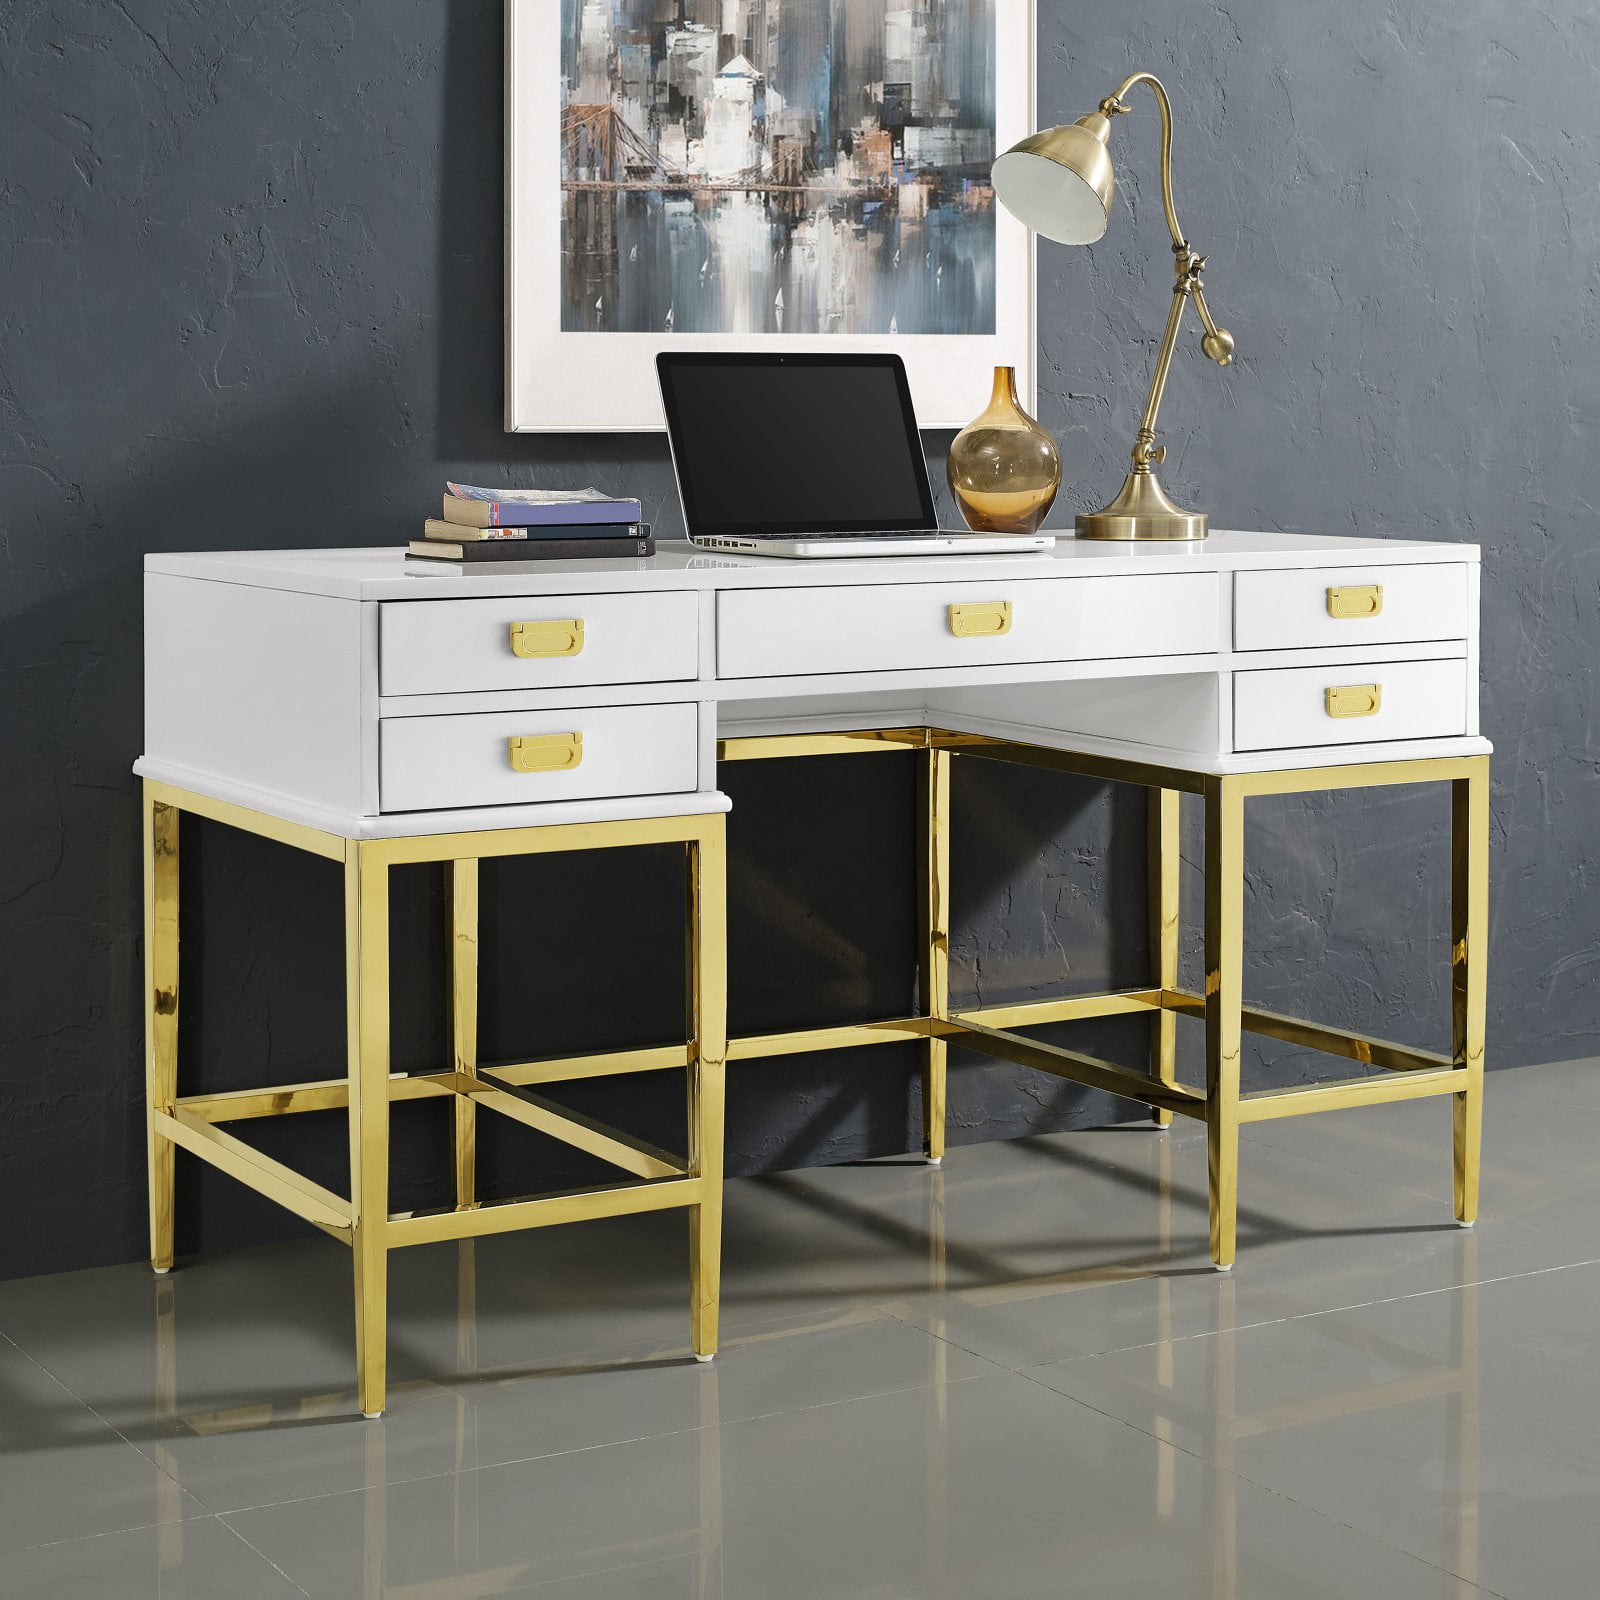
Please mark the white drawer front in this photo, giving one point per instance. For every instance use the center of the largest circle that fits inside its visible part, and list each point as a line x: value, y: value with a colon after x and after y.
x: 1324, y: 606
x: 1285, y: 707
x: 880, y: 628
x: 439, y: 763
x: 455, y: 646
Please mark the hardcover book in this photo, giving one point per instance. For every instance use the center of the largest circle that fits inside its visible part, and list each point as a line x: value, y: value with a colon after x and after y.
x: 525, y: 508
x: 528, y: 549
x: 460, y: 533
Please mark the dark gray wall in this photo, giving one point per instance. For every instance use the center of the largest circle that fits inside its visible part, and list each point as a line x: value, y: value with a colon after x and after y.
x: 250, y: 295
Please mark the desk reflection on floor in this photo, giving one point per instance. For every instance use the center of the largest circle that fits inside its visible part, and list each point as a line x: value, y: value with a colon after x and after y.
x: 676, y: 1541
x: 695, y: 1551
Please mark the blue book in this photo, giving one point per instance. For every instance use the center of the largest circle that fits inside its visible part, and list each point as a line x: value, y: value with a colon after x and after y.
x: 471, y: 507
x: 462, y: 533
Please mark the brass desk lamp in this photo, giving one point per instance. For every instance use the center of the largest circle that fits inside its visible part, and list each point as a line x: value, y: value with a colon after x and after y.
x: 1059, y: 182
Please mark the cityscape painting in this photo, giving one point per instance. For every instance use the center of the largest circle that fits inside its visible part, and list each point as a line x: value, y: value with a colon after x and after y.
x: 747, y: 175
x: 788, y: 167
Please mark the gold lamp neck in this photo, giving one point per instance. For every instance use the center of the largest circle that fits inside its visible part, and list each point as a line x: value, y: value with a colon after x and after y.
x: 1115, y: 105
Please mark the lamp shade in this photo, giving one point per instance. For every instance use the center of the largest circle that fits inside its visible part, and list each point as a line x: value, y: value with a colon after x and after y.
x: 1059, y: 182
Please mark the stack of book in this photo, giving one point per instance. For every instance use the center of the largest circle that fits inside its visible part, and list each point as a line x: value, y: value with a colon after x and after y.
x: 531, y: 525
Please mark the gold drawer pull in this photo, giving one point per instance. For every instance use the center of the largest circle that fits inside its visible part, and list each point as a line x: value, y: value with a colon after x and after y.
x: 530, y: 639
x: 1363, y: 601
x: 546, y: 752
x: 1354, y: 700
x: 983, y: 619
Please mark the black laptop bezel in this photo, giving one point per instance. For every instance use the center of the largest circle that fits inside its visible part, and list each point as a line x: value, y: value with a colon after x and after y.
x: 668, y: 362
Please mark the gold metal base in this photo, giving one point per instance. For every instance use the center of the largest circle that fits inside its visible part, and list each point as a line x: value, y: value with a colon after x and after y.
x: 1142, y: 510
x: 1395, y: 1072
x: 362, y: 1219
x: 661, y: 1180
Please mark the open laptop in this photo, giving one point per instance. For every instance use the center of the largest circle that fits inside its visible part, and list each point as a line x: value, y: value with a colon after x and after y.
x: 807, y: 455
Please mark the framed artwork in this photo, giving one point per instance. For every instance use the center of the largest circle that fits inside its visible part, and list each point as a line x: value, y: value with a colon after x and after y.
x: 755, y: 174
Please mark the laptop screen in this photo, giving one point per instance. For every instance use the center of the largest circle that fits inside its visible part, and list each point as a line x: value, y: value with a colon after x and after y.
x: 770, y: 444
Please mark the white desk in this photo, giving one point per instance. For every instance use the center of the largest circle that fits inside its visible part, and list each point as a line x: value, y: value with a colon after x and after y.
x: 342, y: 699
x: 346, y: 690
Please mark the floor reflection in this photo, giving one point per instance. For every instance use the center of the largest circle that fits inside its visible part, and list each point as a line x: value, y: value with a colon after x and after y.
x: 915, y: 1227
x: 1428, y: 1375
x: 697, y: 1547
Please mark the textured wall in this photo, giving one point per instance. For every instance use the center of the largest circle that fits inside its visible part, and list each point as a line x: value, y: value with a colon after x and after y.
x: 250, y: 295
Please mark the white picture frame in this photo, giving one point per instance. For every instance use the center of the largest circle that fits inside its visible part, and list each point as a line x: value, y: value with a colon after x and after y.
x: 559, y: 381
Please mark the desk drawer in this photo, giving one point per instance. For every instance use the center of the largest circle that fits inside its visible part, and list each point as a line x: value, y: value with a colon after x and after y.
x: 1322, y: 606
x: 1284, y: 707
x: 884, y: 627
x: 504, y: 758
x: 552, y: 641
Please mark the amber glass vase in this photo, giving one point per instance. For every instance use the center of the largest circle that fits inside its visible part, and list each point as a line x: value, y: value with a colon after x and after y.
x: 1004, y: 468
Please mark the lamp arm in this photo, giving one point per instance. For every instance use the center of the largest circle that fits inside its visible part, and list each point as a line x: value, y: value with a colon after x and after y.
x: 1217, y: 342
x: 1115, y: 105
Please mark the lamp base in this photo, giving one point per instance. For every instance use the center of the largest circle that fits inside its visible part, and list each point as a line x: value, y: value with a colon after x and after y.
x: 1142, y: 511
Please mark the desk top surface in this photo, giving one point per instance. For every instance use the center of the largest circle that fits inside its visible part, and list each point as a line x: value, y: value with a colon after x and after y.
x: 384, y: 574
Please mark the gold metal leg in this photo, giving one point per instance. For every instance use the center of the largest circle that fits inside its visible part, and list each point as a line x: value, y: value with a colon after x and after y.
x: 935, y: 912
x: 1224, y: 802
x: 366, y: 907
x: 1469, y: 936
x: 708, y: 1050
x: 462, y: 880
x: 161, y: 1017
x: 1164, y: 914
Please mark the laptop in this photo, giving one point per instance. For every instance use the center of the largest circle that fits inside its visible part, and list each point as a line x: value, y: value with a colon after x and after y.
x: 807, y: 456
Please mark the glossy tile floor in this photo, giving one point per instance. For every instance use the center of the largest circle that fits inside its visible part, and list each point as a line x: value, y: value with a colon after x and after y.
x: 1014, y: 1377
